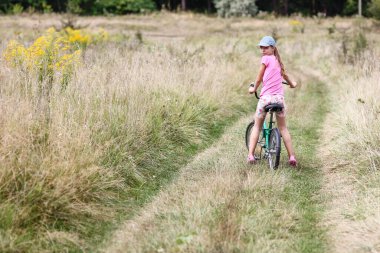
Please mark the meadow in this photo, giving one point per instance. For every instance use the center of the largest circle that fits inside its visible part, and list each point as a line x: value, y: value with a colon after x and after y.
x: 87, y: 147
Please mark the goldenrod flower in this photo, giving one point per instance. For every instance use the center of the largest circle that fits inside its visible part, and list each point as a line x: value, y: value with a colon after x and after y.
x: 297, y: 25
x: 295, y: 22
x: 79, y: 38
x: 15, y: 54
x: 53, y: 52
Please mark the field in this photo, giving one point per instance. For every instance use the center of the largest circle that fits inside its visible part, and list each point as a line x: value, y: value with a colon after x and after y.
x: 137, y: 145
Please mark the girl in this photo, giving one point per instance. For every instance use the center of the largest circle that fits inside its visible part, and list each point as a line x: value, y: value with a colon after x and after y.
x: 271, y: 74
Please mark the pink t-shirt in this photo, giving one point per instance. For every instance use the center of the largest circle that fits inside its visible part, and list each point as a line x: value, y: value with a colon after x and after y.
x: 272, y: 80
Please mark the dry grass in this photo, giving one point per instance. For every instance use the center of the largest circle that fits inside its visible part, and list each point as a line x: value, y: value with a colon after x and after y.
x: 219, y: 204
x: 362, y: 107
x: 131, y: 104
x: 202, y: 210
x: 132, y: 101
x: 353, y: 178
x: 351, y: 154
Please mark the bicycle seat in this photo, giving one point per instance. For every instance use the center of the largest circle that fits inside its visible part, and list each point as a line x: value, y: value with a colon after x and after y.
x: 274, y: 108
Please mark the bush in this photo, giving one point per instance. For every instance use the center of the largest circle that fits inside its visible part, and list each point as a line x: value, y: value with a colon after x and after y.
x: 374, y: 9
x: 236, y: 8
x: 351, y: 8
x: 17, y: 9
x: 126, y: 6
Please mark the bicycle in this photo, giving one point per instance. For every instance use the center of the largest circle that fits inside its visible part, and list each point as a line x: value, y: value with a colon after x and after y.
x: 269, y: 138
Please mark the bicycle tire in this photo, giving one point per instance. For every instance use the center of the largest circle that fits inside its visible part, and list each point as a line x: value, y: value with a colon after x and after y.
x: 274, y: 148
x: 259, y: 147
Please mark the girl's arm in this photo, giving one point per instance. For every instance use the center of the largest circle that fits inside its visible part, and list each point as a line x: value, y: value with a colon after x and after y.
x: 259, y: 79
x: 291, y: 84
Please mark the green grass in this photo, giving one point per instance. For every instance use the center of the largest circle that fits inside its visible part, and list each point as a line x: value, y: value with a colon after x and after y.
x: 306, y: 182
x: 145, y: 159
x: 246, y: 208
x: 166, y: 158
x: 169, y: 158
x: 288, y: 201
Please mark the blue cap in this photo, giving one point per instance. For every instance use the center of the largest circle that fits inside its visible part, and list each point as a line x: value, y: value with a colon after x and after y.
x: 267, y: 41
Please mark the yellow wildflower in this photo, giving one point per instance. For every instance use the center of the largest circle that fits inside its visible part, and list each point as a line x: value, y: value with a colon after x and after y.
x: 78, y: 37
x: 68, y: 60
x: 295, y: 22
x: 297, y: 26
x: 15, y: 53
x: 52, y: 53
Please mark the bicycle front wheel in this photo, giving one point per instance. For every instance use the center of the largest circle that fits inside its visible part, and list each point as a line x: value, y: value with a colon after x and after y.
x: 274, y: 149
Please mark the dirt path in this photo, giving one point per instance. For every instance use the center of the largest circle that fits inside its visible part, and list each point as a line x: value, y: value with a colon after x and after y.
x: 352, y: 217
x: 220, y: 204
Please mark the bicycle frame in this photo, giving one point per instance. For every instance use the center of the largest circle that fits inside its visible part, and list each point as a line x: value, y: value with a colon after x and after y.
x: 270, y: 137
x: 267, y: 130
x: 269, y: 140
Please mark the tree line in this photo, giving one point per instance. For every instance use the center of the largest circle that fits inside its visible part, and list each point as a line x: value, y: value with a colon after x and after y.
x: 101, y: 7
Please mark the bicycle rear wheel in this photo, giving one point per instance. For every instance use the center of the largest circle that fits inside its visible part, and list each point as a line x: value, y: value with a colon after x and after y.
x: 274, y: 149
x: 259, y: 146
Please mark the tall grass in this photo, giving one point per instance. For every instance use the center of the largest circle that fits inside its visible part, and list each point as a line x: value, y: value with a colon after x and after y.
x: 220, y: 205
x: 134, y: 105
x: 348, y: 62
x: 350, y: 142
x: 129, y: 107
x: 358, y: 110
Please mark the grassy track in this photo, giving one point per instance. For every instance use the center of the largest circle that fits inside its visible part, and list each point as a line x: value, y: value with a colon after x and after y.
x: 109, y: 159
x: 219, y: 204
x: 305, y: 186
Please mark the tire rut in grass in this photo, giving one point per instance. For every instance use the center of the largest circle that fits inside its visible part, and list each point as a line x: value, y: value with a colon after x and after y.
x: 219, y: 204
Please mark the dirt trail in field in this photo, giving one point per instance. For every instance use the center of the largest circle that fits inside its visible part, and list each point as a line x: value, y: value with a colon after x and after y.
x: 207, y: 209
x: 351, y: 224
x: 209, y: 181
x: 352, y: 217
x: 220, y: 204
x: 341, y: 196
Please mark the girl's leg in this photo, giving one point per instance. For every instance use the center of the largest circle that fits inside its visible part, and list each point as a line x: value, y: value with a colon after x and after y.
x: 255, y: 134
x: 285, y: 135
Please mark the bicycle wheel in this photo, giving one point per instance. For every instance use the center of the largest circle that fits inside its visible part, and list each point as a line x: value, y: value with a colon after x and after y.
x: 274, y: 149
x: 260, y: 142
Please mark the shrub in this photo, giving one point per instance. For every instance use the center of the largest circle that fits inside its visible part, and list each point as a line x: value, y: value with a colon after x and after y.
x: 374, y: 8
x: 126, y: 6
x: 73, y: 6
x: 236, y: 8
x: 350, y: 8
x: 17, y: 9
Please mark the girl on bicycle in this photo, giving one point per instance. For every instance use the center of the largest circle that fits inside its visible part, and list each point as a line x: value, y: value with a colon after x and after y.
x: 271, y: 73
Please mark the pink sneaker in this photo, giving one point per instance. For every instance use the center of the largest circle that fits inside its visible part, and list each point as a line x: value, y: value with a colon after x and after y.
x: 292, y: 161
x: 251, y: 159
